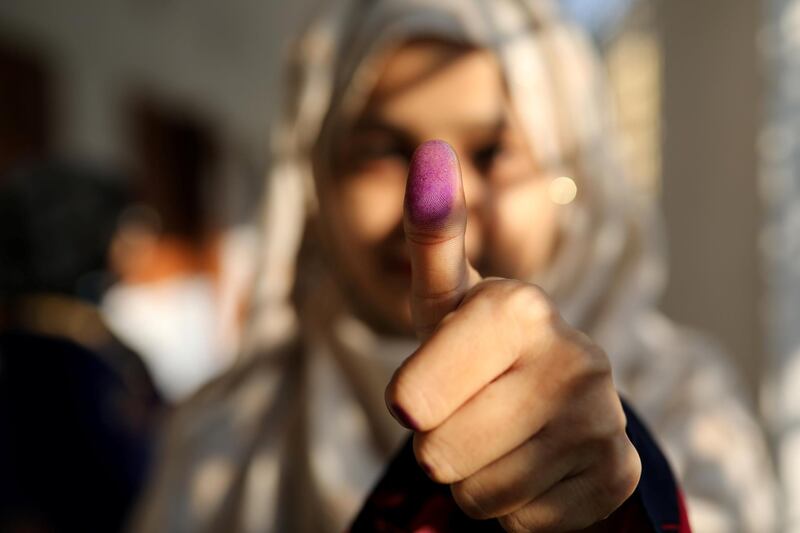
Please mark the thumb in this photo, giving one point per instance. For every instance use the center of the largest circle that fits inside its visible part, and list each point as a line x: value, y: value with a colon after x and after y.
x: 435, y: 221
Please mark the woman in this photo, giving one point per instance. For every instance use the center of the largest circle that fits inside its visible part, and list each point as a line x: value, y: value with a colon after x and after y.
x: 295, y: 436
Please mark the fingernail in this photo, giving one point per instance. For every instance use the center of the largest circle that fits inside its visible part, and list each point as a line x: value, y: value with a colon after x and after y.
x: 402, y: 416
x: 432, y: 185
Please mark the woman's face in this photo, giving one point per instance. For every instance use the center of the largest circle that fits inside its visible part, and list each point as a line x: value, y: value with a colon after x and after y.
x: 432, y: 90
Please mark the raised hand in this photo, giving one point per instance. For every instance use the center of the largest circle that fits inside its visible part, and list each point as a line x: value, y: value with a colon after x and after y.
x: 511, y: 406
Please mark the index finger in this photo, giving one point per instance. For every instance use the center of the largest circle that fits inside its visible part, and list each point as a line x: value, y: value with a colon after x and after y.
x: 451, y: 366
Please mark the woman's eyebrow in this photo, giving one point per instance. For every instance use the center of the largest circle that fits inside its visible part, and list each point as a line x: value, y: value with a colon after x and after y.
x: 476, y: 128
x: 374, y: 123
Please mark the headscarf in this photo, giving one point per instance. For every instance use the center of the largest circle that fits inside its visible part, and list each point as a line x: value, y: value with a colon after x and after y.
x: 299, y: 424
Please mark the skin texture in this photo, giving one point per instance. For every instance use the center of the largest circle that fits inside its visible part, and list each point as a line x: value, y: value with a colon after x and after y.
x: 511, y: 406
x: 497, y: 360
x: 432, y: 184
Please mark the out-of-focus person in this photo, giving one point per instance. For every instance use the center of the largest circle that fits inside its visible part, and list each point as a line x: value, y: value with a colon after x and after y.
x: 78, y: 409
x: 296, y: 434
x: 178, y: 295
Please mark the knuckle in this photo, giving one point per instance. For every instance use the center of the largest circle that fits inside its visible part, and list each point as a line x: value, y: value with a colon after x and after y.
x: 533, y: 305
x: 515, y: 297
x: 618, y: 422
x: 492, y: 285
x: 534, y: 517
x: 626, y: 471
x: 514, y: 523
x: 467, y: 494
x: 606, y: 422
x: 586, y: 368
x: 601, y: 436
x: 504, y: 291
x: 524, y: 306
x: 418, y: 404
x: 616, y: 479
x: 435, y: 457
x: 392, y: 393
x: 596, y: 503
x: 598, y: 361
x: 400, y: 391
x: 590, y: 359
x: 485, y: 296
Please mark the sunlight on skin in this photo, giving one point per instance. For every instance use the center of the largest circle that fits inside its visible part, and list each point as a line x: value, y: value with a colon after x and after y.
x: 425, y: 91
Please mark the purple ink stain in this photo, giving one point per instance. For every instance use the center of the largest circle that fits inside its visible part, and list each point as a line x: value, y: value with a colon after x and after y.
x: 432, y: 184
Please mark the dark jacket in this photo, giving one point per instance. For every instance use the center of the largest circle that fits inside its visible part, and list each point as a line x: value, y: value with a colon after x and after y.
x: 406, y: 500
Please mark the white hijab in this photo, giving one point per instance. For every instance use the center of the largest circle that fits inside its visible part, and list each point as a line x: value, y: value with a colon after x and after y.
x: 293, y: 438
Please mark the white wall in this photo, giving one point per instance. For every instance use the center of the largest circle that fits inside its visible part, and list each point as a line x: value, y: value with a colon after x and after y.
x: 223, y: 57
x: 712, y: 95
x: 780, y: 179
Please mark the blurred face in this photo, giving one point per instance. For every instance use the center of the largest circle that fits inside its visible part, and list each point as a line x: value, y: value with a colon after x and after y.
x: 429, y: 90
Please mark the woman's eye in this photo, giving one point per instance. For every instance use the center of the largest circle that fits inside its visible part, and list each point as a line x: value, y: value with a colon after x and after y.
x: 503, y: 161
x: 484, y: 158
x: 381, y: 151
x: 378, y: 151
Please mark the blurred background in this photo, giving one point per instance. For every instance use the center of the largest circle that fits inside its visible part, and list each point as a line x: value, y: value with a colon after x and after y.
x: 132, y: 153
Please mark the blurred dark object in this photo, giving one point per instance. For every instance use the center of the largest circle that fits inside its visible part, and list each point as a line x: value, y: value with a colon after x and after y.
x: 56, y: 224
x: 76, y: 439
x: 176, y: 157
x: 26, y: 107
x: 405, y: 498
x: 78, y: 409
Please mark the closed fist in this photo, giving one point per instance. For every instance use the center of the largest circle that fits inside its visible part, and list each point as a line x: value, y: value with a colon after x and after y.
x: 511, y: 407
